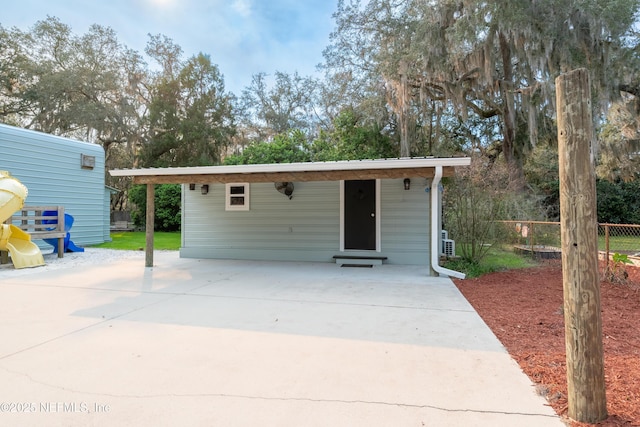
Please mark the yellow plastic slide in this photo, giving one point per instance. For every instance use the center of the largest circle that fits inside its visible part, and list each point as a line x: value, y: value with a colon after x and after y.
x: 24, y: 253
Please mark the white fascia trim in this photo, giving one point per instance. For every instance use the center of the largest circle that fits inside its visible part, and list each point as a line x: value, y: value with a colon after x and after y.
x: 345, y: 165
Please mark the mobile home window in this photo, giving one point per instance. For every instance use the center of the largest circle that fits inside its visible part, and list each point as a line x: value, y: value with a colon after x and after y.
x: 237, y: 196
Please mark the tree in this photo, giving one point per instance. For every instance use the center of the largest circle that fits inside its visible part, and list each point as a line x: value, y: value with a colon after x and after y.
x: 74, y: 85
x: 289, y: 147
x: 190, y: 117
x: 619, y: 140
x: 85, y: 87
x: 350, y: 139
x: 92, y: 88
x: 494, y: 59
x: 541, y: 172
x: 166, y: 202
x: 618, y: 202
x: 288, y: 104
x: 13, y: 60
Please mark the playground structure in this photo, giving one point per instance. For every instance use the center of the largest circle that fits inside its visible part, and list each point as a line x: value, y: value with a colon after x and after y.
x: 69, y: 246
x: 24, y: 253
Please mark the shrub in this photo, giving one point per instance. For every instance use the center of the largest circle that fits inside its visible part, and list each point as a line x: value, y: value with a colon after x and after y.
x: 474, y: 199
x: 618, y: 202
x: 616, y: 271
x: 167, y: 206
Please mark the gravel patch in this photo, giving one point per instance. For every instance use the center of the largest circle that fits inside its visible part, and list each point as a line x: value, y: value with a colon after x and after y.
x: 90, y: 256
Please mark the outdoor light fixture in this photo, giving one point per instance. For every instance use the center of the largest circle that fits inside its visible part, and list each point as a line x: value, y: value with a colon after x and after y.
x: 192, y: 187
x: 285, y: 188
x: 407, y: 183
x: 204, y: 189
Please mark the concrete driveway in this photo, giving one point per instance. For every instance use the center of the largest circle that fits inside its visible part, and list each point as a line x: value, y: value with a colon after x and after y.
x: 236, y: 343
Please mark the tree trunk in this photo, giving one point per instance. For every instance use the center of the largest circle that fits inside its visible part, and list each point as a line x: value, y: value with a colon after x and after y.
x: 512, y: 154
x: 399, y: 99
x: 515, y: 164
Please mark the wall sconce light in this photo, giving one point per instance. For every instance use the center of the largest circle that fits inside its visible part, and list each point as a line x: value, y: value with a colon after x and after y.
x: 204, y: 189
x: 407, y: 183
x: 192, y: 187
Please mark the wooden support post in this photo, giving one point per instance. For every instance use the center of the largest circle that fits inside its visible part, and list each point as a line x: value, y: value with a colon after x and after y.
x: 150, y: 219
x: 579, y: 233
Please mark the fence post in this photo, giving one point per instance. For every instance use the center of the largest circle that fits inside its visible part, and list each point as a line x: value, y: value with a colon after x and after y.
x: 606, y: 245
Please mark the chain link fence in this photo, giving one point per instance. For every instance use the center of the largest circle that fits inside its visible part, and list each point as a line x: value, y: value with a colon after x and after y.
x: 541, y: 239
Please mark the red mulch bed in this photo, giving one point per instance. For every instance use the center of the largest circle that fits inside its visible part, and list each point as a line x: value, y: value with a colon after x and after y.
x: 524, y: 310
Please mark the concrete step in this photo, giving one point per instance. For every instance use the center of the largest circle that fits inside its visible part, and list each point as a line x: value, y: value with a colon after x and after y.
x: 352, y: 260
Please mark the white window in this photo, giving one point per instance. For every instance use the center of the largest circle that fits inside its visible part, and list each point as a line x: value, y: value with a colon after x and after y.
x: 237, y: 197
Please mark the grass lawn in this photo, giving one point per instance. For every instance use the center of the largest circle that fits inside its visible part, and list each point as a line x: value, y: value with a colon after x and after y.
x: 497, y: 259
x: 135, y: 240
x: 620, y: 243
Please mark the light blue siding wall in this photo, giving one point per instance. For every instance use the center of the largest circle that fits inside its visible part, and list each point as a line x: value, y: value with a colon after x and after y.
x: 306, y: 228
x: 50, y: 168
x: 405, y: 222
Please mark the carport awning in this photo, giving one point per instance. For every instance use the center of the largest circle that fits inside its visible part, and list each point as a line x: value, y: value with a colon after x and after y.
x: 286, y: 172
x: 297, y: 172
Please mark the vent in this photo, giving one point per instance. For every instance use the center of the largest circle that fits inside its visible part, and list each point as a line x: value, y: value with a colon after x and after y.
x: 445, y: 234
x: 448, y: 247
x: 87, y: 162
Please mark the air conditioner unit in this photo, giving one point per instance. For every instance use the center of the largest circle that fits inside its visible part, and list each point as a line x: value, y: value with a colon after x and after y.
x: 448, y: 247
x: 445, y: 234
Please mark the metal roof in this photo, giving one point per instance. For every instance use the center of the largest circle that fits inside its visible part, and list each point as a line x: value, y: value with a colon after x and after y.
x: 307, y: 171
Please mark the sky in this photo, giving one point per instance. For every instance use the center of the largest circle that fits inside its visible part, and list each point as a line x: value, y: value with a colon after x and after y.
x: 242, y: 37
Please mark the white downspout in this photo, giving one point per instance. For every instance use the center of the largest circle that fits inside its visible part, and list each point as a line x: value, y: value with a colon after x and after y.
x: 435, y: 232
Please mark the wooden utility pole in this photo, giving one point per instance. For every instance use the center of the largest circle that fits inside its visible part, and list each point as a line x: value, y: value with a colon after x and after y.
x: 149, y: 228
x: 579, y: 232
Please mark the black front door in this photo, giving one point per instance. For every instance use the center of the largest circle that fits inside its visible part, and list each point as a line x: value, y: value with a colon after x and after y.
x: 360, y: 214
